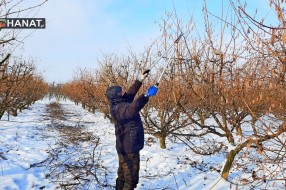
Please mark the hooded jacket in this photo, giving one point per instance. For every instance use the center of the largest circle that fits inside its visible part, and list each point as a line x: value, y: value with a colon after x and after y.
x: 125, y: 110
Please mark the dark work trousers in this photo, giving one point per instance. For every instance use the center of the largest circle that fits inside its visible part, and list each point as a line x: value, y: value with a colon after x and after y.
x: 128, y: 171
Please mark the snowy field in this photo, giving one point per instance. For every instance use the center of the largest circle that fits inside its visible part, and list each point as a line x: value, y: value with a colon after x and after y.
x: 28, y: 141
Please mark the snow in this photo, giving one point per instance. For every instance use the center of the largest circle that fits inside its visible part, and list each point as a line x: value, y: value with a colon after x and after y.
x: 27, y: 140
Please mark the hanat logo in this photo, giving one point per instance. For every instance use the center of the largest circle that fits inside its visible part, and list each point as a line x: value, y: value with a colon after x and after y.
x: 22, y: 23
x: 2, y: 23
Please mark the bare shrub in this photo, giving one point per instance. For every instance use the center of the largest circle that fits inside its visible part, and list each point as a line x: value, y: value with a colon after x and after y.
x: 72, y: 163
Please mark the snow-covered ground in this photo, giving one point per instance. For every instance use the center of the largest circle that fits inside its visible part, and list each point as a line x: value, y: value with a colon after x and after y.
x: 26, y: 141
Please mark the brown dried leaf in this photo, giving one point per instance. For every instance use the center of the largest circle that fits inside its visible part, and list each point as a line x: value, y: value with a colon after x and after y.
x: 270, y: 85
x: 248, y: 145
x: 274, y: 54
x: 263, y: 69
x: 272, y: 37
x: 284, y: 38
x: 260, y: 96
x: 269, y: 50
x: 247, y: 83
x: 279, y: 14
x: 272, y: 72
x: 262, y: 21
x: 260, y: 151
x: 221, y: 99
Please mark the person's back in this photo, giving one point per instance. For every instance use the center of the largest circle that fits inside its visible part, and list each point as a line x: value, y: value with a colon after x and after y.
x: 129, y: 130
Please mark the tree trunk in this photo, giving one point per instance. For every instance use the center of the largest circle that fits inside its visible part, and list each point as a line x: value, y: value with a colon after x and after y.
x: 238, y: 130
x: 253, y: 121
x: 162, y: 140
x: 202, y: 118
x: 229, y: 137
x: 14, y: 112
x: 230, y: 158
x: 1, y: 114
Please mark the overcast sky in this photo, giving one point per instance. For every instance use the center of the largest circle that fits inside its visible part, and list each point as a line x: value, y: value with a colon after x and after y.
x: 80, y: 31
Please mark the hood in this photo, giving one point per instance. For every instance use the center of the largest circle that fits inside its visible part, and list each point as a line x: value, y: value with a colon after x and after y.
x: 114, y: 94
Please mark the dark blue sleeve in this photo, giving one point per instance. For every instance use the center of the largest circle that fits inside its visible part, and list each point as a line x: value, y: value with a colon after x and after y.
x: 129, y: 110
x: 132, y: 91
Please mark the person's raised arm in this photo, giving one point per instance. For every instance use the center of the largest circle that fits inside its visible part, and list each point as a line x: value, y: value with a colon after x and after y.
x: 129, y: 110
x: 132, y: 91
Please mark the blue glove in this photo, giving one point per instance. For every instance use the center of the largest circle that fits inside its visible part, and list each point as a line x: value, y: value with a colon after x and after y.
x: 152, y: 91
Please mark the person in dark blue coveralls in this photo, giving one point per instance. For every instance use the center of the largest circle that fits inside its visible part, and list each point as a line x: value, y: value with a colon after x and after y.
x: 129, y: 130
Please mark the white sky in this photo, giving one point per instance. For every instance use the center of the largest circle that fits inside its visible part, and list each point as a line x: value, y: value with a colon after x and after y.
x: 80, y: 31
